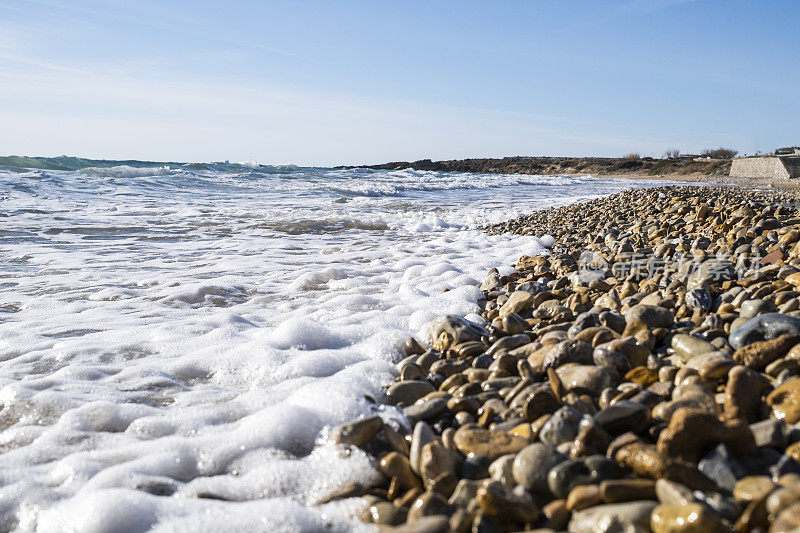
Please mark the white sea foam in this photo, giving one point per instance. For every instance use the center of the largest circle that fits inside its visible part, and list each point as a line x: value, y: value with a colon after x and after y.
x: 174, y: 350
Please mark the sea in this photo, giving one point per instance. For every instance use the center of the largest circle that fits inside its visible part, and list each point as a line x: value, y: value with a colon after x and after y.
x: 177, y: 340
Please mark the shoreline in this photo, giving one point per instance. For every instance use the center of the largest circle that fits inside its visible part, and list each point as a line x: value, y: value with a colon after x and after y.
x: 714, y: 180
x: 610, y: 380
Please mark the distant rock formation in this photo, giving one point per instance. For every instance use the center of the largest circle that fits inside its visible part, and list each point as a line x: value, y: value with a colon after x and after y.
x: 597, y: 166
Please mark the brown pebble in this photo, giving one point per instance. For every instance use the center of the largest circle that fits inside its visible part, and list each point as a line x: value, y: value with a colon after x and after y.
x: 759, y: 354
x: 583, y: 496
x: 692, y: 432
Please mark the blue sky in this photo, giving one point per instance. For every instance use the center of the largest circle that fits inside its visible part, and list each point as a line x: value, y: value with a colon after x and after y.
x: 337, y: 82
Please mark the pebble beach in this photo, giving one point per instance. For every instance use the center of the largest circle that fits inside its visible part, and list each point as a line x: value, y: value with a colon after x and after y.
x: 640, y: 374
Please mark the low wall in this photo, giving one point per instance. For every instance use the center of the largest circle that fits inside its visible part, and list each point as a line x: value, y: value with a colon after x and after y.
x: 760, y: 167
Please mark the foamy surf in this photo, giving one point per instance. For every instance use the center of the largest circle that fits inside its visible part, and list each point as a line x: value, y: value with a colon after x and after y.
x: 176, y: 343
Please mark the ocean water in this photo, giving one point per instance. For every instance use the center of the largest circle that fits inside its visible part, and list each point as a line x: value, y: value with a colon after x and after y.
x: 176, y: 340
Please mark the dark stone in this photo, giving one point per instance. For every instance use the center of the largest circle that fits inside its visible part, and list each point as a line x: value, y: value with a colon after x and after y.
x: 699, y: 299
x: 583, y: 321
x: 770, y: 432
x: 569, y: 351
x: 615, y: 360
x: 785, y: 465
x: 482, y: 361
x: 623, y: 416
x: 532, y: 287
x: 586, y: 471
x: 425, y: 410
x: 725, y: 507
x: 435, y: 379
x: 764, y: 327
x: 475, y: 467
x: 721, y: 467
x: 613, y: 321
x: 563, y: 426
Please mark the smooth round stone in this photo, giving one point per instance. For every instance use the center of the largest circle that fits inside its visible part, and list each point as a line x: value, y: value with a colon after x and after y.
x: 426, y: 524
x: 780, y: 499
x: 583, y: 321
x: 517, y: 301
x: 690, y: 518
x: 788, y: 521
x: 751, y: 308
x: 585, y: 471
x: 615, y: 360
x: 436, y: 460
x: 623, y: 416
x: 770, y: 432
x: 506, y: 344
x: 465, y: 491
x: 395, y: 464
x: 626, y: 490
x: 562, y: 426
x: 426, y: 410
x: 613, y: 321
x: 408, y: 392
x: 429, y: 503
x: 652, y: 316
x: 532, y: 464
x: 712, y: 365
x: 699, y: 299
x: 623, y: 517
x: 496, y: 500
x: 384, y: 513
x: 764, y: 327
x: 357, y: 433
x: 710, y: 271
x: 423, y: 434
x: 475, y: 467
x: 450, y: 330
x: 785, y: 401
x: 500, y: 470
x: 492, y: 444
x: 688, y: 346
x: 587, y: 377
x: 671, y: 493
x: 752, y: 488
x: 568, y: 351
x: 583, y: 496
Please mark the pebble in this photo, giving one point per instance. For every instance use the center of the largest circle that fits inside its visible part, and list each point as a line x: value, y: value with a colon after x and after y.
x: 625, y: 490
x: 759, y: 354
x: 630, y: 516
x: 357, y: 433
x: 689, y: 346
x: 752, y: 488
x: 785, y: 401
x: 487, y: 443
x: 532, y: 464
x: 624, y: 401
x: 585, y: 471
x: 652, y: 316
x: 408, y: 392
x: 562, y: 426
x: 764, y: 327
x: 583, y: 496
x: 589, y: 378
x: 450, y: 330
x: 429, y: 503
x: 689, y: 518
x: 770, y: 432
x: 788, y: 521
x: 623, y: 416
x: 671, y: 493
